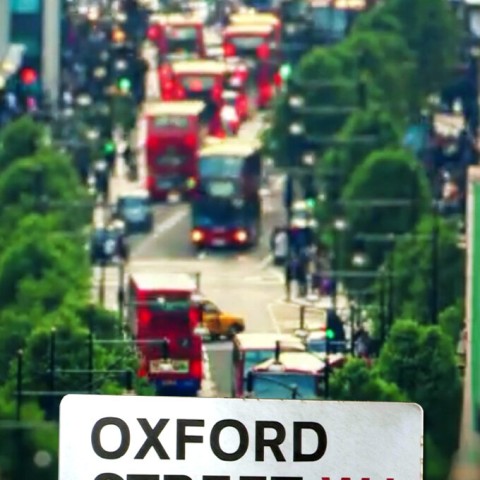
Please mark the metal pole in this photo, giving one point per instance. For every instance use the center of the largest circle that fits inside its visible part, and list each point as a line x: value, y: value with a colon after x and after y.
x: 327, y: 368
x: 336, y: 266
x: 53, y: 337
x: 302, y: 317
x: 51, y: 49
x: 353, y: 312
x: 121, y: 291
x: 19, y: 384
x: 90, y: 354
x: 383, y: 319
x: 101, y: 285
x: 391, y: 292
x: 434, y: 270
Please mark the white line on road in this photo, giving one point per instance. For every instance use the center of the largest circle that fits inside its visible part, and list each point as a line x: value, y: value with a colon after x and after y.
x: 161, y: 229
x: 265, y: 262
x: 273, y: 319
x: 170, y: 222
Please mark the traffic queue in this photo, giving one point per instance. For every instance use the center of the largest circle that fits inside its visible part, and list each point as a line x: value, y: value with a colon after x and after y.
x: 191, y: 152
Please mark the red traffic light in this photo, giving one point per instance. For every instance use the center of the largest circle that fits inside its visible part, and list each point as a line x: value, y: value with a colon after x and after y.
x: 28, y: 76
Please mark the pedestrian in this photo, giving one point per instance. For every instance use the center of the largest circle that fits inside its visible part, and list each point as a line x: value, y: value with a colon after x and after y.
x: 290, y: 274
x: 362, y: 343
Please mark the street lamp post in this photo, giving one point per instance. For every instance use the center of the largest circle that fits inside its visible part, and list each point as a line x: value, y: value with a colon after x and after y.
x: 434, y: 269
x: 339, y: 226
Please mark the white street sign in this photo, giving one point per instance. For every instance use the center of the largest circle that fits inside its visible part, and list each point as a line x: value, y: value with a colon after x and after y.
x: 165, y: 438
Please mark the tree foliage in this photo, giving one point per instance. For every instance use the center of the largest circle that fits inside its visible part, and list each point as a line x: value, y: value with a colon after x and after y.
x: 421, y: 361
x: 430, y: 30
x: 385, y: 177
x: 20, y: 139
x: 413, y: 259
x: 357, y: 381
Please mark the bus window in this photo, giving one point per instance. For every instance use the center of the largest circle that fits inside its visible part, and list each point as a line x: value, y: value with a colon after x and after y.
x: 286, y: 385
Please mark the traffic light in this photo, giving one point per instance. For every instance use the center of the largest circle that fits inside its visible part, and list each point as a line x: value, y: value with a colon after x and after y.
x: 335, y: 329
x: 28, y: 76
x: 285, y: 72
x: 124, y: 84
x: 109, y: 147
x: 310, y: 193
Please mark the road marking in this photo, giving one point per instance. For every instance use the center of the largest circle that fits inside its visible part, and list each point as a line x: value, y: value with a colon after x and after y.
x: 161, y: 229
x: 170, y: 222
x: 265, y: 261
x: 273, y: 318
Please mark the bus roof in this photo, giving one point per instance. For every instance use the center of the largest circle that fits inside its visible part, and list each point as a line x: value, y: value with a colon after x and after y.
x: 231, y: 146
x: 261, y: 29
x: 253, y: 19
x: 174, y: 282
x: 209, y: 67
x: 341, y: 4
x: 293, y: 362
x: 265, y: 341
x: 181, y: 107
x: 176, y: 19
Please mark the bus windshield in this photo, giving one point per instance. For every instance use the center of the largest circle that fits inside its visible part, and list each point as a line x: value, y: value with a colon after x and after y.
x: 173, y: 303
x: 285, y: 385
x: 212, y: 214
x: 330, y: 20
x: 220, y: 167
x: 182, y: 38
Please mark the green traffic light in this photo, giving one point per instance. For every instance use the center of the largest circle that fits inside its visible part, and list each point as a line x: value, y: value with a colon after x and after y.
x: 330, y: 334
x: 310, y: 202
x: 285, y: 71
x: 109, y: 147
x: 124, y: 84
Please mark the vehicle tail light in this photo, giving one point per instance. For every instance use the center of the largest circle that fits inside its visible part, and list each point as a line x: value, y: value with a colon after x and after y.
x: 164, y: 70
x: 153, y: 32
x: 152, y: 142
x: 150, y: 183
x: 263, y: 51
x: 196, y: 369
x: 194, y: 316
x: 180, y: 93
x: 277, y: 79
x: 264, y: 94
x: 241, y: 236
x: 143, y: 317
x: 197, y: 235
x: 229, y: 50
x: 243, y: 107
x: 190, y: 141
x: 217, y: 92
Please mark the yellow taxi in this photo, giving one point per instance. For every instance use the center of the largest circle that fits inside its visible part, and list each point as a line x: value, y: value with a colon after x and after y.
x: 220, y: 323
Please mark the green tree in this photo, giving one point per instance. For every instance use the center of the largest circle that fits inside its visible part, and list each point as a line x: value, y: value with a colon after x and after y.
x: 421, y: 361
x: 357, y: 381
x: 413, y: 263
x: 385, y: 177
x: 42, y: 255
x: 364, y: 132
x: 451, y: 321
x: 20, y: 139
x: 432, y: 33
x: 43, y: 183
x: 388, y: 67
x: 319, y: 80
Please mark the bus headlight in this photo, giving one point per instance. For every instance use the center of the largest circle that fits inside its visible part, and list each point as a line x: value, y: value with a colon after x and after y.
x: 197, y: 236
x: 241, y: 236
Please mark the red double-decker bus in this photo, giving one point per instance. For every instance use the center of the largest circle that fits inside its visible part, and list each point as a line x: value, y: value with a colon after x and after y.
x: 177, y: 35
x: 173, y: 133
x: 162, y: 318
